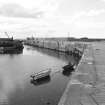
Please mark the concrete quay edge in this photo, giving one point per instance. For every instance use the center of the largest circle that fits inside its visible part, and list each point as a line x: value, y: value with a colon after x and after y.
x: 81, y: 86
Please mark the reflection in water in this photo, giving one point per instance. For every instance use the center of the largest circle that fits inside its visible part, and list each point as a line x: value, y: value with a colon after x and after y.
x: 15, y: 71
x: 10, y: 77
x: 56, y: 54
x: 12, y: 52
x: 67, y: 72
x: 41, y: 81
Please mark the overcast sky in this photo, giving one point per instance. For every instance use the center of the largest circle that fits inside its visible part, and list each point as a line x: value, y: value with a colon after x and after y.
x: 53, y: 18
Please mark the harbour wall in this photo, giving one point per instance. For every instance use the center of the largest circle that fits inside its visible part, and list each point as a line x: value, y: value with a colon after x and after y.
x: 75, y: 48
x: 80, y: 88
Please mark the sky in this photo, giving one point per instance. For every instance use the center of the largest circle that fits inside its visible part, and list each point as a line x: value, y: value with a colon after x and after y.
x: 52, y: 18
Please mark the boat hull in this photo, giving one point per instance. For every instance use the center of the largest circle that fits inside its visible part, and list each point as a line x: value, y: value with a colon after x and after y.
x: 8, y: 45
x: 41, y: 75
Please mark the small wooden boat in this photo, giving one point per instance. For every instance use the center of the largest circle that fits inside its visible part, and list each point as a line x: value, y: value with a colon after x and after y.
x: 41, y: 74
x: 69, y: 66
x: 41, y: 81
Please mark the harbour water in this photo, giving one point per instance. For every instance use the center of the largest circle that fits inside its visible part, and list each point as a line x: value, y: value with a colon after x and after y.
x: 16, y: 87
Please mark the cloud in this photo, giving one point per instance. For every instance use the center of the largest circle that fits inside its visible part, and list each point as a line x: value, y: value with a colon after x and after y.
x: 28, y: 25
x: 102, y: 0
x: 84, y: 14
x: 16, y: 17
x: 58, y: 15
x: 16, y: 10
x: 41, y: 8
x: 95, y: 12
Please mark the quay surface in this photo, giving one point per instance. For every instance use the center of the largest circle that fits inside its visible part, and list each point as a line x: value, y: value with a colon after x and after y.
x: 87, y: 84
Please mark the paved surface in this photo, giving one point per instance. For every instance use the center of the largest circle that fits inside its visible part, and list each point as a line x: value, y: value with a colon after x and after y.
x: 87, y: 84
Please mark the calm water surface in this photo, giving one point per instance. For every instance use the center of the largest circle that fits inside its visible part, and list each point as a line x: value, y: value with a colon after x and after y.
x: 16, y: 87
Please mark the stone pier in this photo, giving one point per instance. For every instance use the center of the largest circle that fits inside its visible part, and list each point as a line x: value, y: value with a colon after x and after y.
x: 87, y: 84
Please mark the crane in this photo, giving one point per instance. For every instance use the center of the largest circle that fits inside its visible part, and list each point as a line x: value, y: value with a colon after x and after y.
x: 6, y: 34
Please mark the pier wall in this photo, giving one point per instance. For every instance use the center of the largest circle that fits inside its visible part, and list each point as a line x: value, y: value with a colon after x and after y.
x: 87, y: 83
x: 75, y: 48
x: 79, y: 87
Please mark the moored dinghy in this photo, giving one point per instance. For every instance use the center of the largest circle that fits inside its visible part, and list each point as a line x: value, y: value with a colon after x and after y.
x: 41, y: 74
x: 69, y: 66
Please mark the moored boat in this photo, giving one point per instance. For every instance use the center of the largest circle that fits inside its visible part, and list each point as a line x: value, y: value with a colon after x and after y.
x: 9, y: 44
x: 69, y: 66
x: 41, y: 74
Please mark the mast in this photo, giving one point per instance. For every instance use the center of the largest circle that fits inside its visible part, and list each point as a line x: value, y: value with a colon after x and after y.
x: 68, y: 35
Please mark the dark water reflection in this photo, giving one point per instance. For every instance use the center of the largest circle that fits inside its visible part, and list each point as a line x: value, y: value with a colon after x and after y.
x: 15, y: 71
x: 56, y: 54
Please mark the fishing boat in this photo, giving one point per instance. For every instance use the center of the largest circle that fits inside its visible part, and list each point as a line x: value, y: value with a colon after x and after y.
x: 9, y: 44
x: 41, y: 74
x: 69, y: 66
